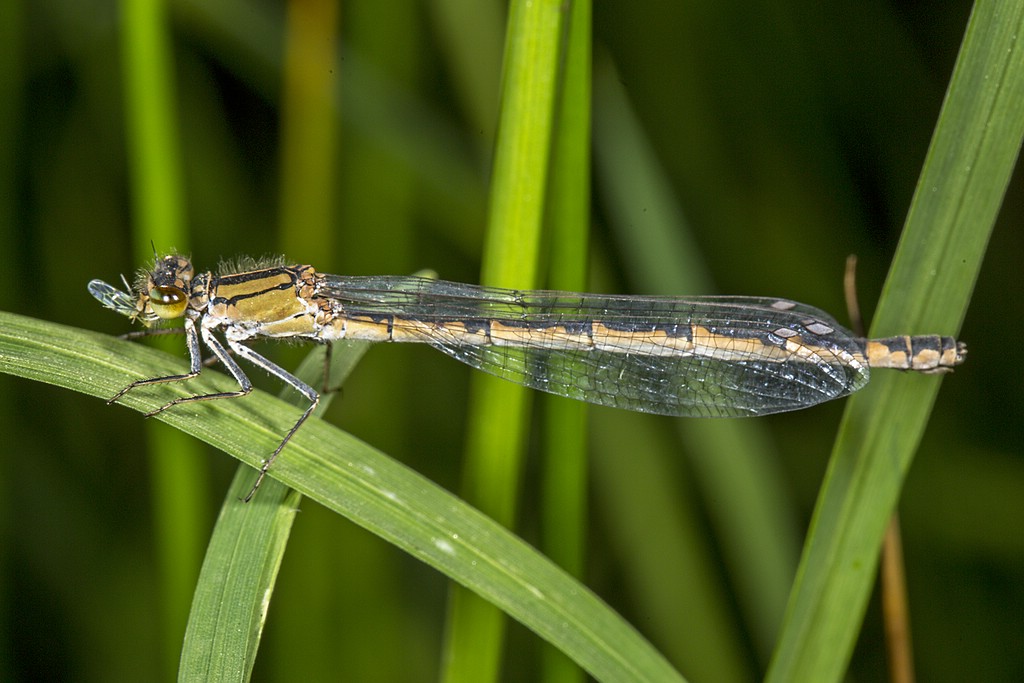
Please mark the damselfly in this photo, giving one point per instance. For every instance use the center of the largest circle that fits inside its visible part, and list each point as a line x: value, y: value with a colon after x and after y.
x: 722, y: 356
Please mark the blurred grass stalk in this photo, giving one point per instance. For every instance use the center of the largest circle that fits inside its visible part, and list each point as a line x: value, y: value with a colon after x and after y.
x: 309, y: 120
x: 499, y: 410
x: 12, y: 106
x: 564, y: 447
x: 177, y: 477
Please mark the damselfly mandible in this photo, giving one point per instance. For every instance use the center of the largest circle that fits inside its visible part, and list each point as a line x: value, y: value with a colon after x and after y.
x: 721, y: 356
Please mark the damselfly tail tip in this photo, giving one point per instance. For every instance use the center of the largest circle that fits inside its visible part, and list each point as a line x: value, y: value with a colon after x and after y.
x: 960, y: 354
x: 954, y: 353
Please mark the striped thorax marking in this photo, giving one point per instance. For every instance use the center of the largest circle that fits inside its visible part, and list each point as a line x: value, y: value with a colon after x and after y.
x: 271, y: 302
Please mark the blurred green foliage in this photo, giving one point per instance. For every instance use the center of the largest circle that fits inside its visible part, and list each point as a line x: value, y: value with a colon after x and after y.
x: 791, y: 134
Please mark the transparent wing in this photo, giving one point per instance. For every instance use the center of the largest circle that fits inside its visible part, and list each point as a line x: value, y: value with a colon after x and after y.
x: 640, y: 374
x: 113, y: 298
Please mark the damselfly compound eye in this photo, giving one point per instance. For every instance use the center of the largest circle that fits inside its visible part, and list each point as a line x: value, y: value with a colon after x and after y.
x: 168, y: 302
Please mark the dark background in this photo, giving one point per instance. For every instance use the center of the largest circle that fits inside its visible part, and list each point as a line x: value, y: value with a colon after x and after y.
x: 791, y: 134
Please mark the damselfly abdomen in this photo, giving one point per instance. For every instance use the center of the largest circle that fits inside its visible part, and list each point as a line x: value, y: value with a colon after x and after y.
x: 721, y: 356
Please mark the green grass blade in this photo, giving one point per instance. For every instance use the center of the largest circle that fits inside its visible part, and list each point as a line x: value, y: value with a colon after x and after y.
x: 968, y: 167
x: 231, y: 599
x: 357, y: 481
x: 229, y: 607
x: 565, y: 481
x: 498, y: 416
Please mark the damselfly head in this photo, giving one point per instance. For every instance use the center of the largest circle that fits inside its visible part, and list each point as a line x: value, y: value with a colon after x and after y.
x: 159, y: 294
x: 170, y: 271
x: 168, y: 287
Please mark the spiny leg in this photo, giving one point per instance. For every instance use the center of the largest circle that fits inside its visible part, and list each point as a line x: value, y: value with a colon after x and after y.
x: 245, y: 386
x: 292, y: 381
x: 163, y: 332
x: 192, y: 341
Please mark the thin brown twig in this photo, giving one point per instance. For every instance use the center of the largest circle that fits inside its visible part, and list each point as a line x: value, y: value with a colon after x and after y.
x: 895, y: 607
